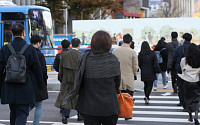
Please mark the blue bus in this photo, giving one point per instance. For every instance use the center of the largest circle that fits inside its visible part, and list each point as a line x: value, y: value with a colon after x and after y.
x: 36, y: 20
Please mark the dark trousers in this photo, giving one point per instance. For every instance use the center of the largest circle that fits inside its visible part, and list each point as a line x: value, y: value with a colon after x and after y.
x: 18, y: 114
x: 100, y: 120
x: 65, y: 112
x: 147, y: 88
x: 174, y: 84
x: 128, y: 91
x: 181, y: 91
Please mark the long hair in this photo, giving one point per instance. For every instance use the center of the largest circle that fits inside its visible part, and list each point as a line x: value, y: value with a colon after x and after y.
x: 145, y: 48
x: 193, y: 56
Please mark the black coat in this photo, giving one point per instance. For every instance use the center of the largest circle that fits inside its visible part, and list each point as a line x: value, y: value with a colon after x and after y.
x: 42, y: 94
x: 170, y: 49
x: 178, y: 55
x: 57, y: 60
x: 20, y: 93
x: 146, y: 64
x: 164, y: 55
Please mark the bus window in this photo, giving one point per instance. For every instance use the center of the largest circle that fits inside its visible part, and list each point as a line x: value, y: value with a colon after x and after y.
x: 7, y: 32
x: 41, y: 24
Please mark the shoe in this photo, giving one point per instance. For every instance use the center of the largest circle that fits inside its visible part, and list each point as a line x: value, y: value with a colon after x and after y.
x: 155, y: 89
x: 164, y: 87
x: 196, y: 121
x: 184, y: 110
x: 80, y: 118
x: 190, y: 119
x: 127, y: 118
x: 64, y: 120
x: 179, y: 104
x: 146, y: 100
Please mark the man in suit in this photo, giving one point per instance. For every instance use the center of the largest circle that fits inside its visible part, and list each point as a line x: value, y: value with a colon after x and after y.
x: 128, y: 64
x: 67, y: 71
x: 20, y: 95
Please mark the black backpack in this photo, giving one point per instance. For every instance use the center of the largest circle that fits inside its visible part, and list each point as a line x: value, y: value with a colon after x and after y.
x: 16, y: 69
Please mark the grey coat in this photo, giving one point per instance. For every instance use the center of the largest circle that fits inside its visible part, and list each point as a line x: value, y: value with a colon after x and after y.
x: 96, y: 83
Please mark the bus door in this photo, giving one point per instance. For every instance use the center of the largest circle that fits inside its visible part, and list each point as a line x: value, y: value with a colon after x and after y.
x: 7, y: 33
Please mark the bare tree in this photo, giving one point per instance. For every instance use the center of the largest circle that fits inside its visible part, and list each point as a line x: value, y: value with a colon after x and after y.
x: 170, y: 8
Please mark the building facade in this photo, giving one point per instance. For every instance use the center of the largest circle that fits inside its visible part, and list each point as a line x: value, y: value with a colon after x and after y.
x: 23, y: 2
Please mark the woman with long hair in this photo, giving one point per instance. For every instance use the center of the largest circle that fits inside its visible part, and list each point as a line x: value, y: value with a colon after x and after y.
x: 190, y: 66
x: 97, y: 79
x: 147, y: 59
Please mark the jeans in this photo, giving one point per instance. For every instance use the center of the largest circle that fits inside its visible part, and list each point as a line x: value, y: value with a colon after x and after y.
x: 18, y: 114
x: 38, y: 112
x: 163, y: 79
x: 65, y: 112
x: 147, y: 88
x: 100, y: 120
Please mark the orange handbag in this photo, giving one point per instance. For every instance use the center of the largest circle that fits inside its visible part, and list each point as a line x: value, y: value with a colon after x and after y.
x: 125, y: 104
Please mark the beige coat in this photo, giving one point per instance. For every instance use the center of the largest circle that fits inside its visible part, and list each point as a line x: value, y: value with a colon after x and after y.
x: 67, y: 70
x: 128, y: 65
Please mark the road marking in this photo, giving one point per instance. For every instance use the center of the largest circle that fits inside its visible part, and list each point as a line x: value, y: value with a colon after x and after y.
x: 145, y: 119
x: 156, y: 107
x: 159, y: 113
x: 158, y: 102
x: 158, y: 97
x: 53, y: 91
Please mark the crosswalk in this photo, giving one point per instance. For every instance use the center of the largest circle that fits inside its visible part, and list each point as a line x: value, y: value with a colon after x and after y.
x: 161, y: 110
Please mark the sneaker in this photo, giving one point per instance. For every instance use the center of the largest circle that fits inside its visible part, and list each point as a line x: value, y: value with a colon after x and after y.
x: 164, y: 87
x: 146, y: 100
x: 155, y: 89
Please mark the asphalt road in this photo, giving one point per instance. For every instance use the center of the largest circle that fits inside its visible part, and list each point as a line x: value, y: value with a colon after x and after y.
x: 161, y: 110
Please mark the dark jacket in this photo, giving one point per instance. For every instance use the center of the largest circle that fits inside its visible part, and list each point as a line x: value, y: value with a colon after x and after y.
x: 21, y: 93
x: 42, y: 94
x: 170, y: 49
x: 57, y: 60
x: 146, y: 64
x: 178, y: 55
x: 164, y: 55
x: 96, y: 82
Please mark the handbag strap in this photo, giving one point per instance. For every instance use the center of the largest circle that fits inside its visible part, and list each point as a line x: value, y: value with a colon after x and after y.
x: 121, y: 95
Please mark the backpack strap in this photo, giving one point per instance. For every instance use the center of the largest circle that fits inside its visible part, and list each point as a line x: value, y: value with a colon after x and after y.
x: 11, y: 49
x: 24, y: 48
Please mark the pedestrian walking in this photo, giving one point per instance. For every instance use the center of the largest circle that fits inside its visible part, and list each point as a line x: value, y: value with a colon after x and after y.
x: 65, y: 47
x: 128, y: 64
x: 179, y: 53
x: 147, y: 59
x: 190, y: 67
x: 162, y: 55
x: 17, y: 94
x: 67, y: 70
x: 97, y: 82
x: 40, y: 95
x: 171, y: 46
